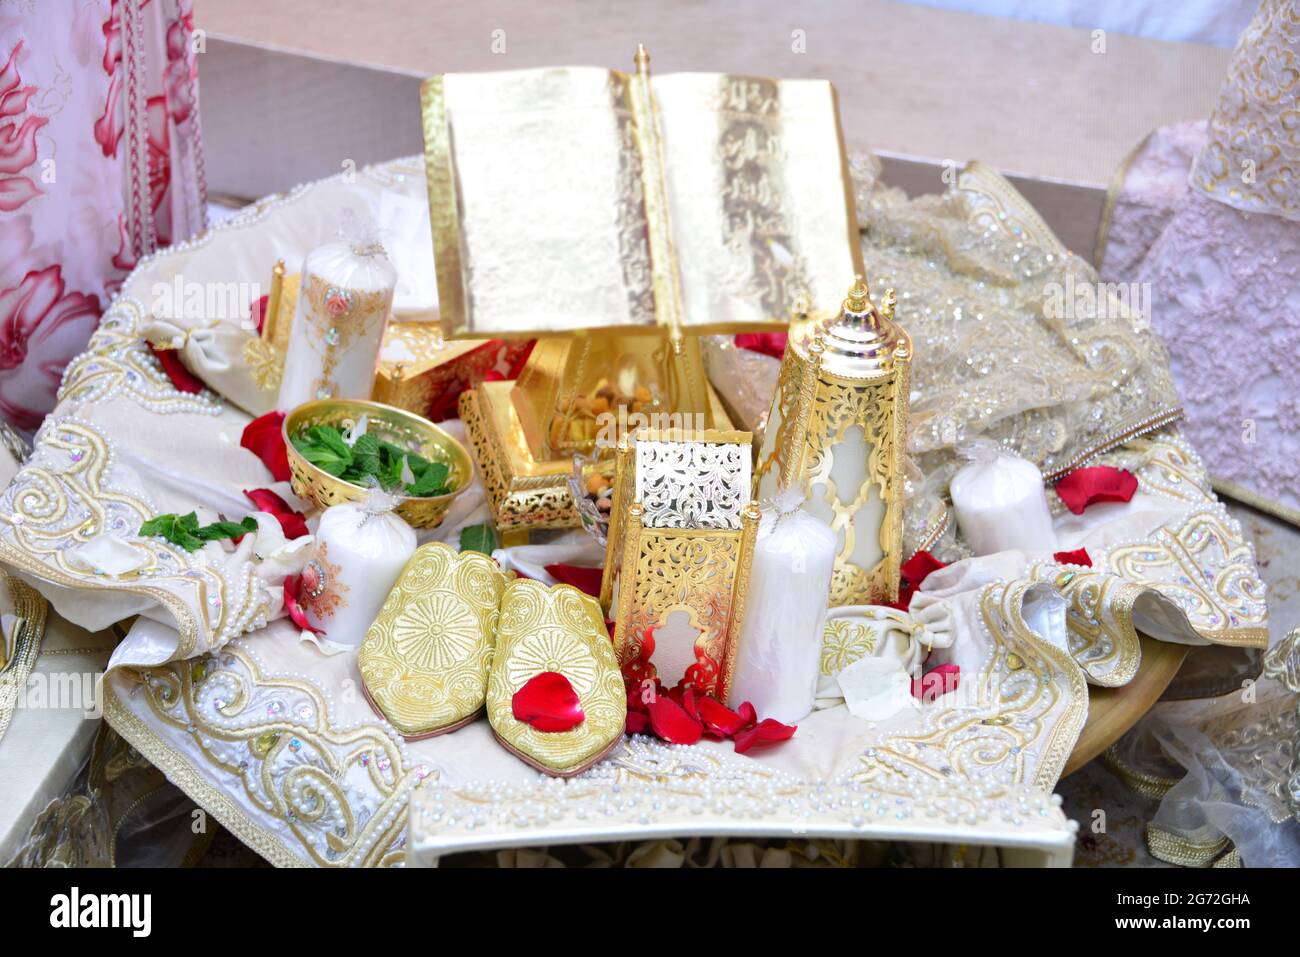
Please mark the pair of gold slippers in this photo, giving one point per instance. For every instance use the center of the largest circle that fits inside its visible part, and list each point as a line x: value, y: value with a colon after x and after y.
x: 458, y: 636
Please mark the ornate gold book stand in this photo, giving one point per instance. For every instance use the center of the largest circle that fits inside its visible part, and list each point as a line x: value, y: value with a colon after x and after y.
x: 705, y: 203
x: 681, y: 543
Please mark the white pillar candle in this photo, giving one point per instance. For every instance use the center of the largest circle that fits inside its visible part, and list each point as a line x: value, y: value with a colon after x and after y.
x: 779, y: 658
x: 344, y: 299
x: 1000, y: 502
x: 360, y: 552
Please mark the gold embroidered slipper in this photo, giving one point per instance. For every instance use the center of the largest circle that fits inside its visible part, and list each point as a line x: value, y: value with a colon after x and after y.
x: 555, y: 695
x: 425, y: 660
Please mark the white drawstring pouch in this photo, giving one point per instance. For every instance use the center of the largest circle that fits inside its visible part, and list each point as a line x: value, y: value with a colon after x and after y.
x: 872, y: 653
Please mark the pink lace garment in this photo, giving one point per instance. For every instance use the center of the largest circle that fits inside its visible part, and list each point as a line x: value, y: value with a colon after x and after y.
x: 100, y: 163
x: 1209, y: 215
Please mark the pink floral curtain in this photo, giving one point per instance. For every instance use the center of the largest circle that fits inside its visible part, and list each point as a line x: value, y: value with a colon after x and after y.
x: 100, y: 164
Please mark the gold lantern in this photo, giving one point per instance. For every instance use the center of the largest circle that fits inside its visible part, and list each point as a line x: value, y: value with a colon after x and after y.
x: 617, y: 217
x: 838, y: 429
x: 681, y: 543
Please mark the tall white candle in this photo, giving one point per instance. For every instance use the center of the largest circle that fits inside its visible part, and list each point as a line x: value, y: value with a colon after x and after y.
x: 1000, y: 502
x: 779, y: 658
x: 360, y: 552
x: 344, y: 299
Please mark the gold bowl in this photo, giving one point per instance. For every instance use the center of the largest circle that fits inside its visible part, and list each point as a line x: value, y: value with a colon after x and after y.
x: 404, y: 429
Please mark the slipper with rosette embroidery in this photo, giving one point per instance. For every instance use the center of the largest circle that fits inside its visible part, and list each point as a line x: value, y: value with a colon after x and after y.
x: 426, y: 659
x: 555, y: 695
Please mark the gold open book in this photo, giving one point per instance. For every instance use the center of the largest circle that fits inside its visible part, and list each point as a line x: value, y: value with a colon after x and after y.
x: 584, y: 198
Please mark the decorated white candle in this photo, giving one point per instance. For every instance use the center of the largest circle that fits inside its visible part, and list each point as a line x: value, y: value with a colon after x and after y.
x: 361, y: 550
x: 779, y: 658
x: 344, y: 299
x: 1000, y: 501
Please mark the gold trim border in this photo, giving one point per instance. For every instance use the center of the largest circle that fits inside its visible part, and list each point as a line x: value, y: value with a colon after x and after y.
x: 181, y: 772
x: 31, y: 611
x: 1255, y: 500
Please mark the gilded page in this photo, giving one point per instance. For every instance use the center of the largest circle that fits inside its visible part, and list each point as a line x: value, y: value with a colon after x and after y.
x: 759, y: 206
x: 536, y: 198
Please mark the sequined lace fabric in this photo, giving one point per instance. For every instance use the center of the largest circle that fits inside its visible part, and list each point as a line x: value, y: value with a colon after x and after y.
x: 975, y: 270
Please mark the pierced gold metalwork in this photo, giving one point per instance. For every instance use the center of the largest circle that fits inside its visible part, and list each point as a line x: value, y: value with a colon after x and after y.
x: 842, y: 395
x: 703, y: 572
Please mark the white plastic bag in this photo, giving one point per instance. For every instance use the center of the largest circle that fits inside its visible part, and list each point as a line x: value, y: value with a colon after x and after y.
x: 779, y: 657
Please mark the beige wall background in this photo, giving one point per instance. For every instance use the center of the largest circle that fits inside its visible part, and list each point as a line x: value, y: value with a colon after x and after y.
x: 293, y: 89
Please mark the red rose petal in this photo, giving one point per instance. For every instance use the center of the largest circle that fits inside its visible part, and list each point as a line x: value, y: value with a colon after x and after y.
x: 936, y: 682
x: 719, y: 720
x: 1100, y: 483
x: 548, y: 702
x: 294, y: 524
x: 638, y: 722
x: 264, y: 438
x: 767, y: 731
x: 291, y: 585
x: 913, y: 572
x: 182, y: 378
x: 257, y: 312
x: 688, y: 702
x: 769, y: 343
x: 1079, y: 556
x: 672, y: 723
x: 748, y: 716
x: 586, y: 580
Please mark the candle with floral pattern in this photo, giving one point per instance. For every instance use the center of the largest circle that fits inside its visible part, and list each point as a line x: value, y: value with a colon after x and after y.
x: 343, y: 304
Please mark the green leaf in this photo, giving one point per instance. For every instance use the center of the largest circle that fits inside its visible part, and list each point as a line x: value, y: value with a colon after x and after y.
x: 478, y: 538
x: 389, y: 472
x: 370, y: 457
x: 365, y: 455
x: 329, y: 437
x: 321, y: 455
x: 184, y: 530
x: 432, y: 481
x: 219, y: 530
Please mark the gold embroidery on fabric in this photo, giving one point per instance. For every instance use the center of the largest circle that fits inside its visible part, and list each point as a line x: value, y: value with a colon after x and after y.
x: 273, y: 738
x: 843, y: 643
x: 1026, y: 717
x: 425, y: 660
x: 117, y: 361
x: 1255, y: 125
x: 562, y: 630
x: 1207, y: 570
x: 51, y: 509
